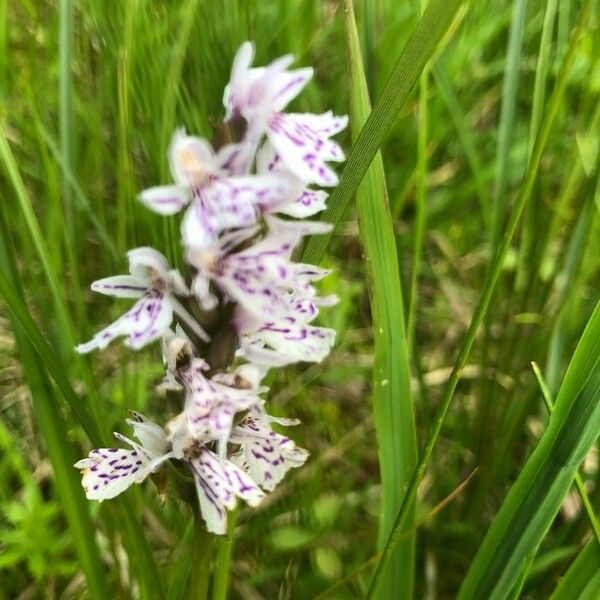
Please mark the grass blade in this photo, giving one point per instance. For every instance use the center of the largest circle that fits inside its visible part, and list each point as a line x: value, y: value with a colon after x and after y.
x: 392, y: 406
x: 490, y: 284
x: 535, y: 498
x: 507, y: 116
x: 429, y: 31
x: 582, y: 580
x: 585, y: 500
x: 53, y: 428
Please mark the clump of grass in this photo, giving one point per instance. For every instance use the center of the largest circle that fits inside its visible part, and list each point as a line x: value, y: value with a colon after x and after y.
x: 506, y: 174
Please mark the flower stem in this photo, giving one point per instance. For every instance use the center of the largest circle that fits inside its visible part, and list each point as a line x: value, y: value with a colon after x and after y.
x: 224, y: 550
x: 201, y: 559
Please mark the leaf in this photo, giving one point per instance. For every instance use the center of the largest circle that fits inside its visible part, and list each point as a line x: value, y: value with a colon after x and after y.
x: 392, y: 404
x: 582, y: 580
x: 535, y: 498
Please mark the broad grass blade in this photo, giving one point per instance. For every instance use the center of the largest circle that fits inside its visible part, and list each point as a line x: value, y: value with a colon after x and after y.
x: 392, y: 405
x: 582, y: 580
x: 535, y: 498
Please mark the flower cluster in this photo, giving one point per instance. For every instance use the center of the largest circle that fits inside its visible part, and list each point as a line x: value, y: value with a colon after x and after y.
x: 243, y: 209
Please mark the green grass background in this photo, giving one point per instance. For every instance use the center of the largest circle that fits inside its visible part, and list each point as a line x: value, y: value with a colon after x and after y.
x: 439, y: 298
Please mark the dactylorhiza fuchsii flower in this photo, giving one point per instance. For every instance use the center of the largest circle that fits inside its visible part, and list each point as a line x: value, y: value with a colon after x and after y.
x: 242, y: 279
x: 156, y: 285
x: 259, y: 95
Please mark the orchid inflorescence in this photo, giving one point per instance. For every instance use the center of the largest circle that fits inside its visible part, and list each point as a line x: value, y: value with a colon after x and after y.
x: 238, y: 240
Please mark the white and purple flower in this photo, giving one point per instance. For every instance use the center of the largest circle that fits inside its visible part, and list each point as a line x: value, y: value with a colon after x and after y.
x: 217, y: 201
x: 302, y: 140
x: 108, y: 472
x: 156, y: 285
x: 241, y: 254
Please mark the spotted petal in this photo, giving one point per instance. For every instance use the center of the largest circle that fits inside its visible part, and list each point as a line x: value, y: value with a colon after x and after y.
x: 210, y: 406
x: 145, y: 322
x: 192, y: 159
x: 165, y: 199
x: 218, y: 483
x: 287, y: 342
x: 266, y: 455
x: 303, y: 149
x: 232, y: 203
x: 109, y: 471
x: 121, y: 286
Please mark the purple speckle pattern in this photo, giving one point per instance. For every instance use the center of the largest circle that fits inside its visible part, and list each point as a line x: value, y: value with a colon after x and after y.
x: 302, y: 142
x: 238, y: 252
x: 211, y: 406
x: 219, y: 482
x: 266, y: 455
x: 109, y: 471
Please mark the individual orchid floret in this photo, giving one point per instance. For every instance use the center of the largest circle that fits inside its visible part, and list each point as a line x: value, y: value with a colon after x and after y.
x: 109, y: 471
x: 285, y: 342
x: 258, y: 277
x: 217, y: 201
x: 156, y: 285
x: 290, y: 340
x: 210, y: 406
x: 265, y: 454
x: 259, y: 95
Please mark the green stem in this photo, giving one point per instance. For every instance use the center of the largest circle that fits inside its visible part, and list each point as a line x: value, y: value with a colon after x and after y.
x: 201, y: 559
x: 224, y: 552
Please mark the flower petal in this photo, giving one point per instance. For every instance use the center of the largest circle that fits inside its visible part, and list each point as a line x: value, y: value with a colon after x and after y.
x: 287, y: 342
x: 109, y: 471
x: 266, y: 455
x: 165, y: 199
x: 288, y: 85
x: 148, y: 265
x: 121, y: 286
x: 218, y: 483
x: 151, y: 436
x: 303, y: 149
x: 192, y: 159
x: 211, y: 406
x: 308, y: 203
x: 145, y: 322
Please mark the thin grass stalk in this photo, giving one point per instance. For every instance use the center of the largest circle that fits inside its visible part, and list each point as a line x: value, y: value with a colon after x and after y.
x: 126, y: 233
x: 65, y: 104
x: 200, y: 560
x: 531, y: 220
x: 427, y: 35
x: 490, y: 283
x: 392, y: 403
x: 506, y: 126
x: 535, y: 498
x: 585, y: 499
x: 467, y: 140
x: 420, y: 202
x: 169, y: 105
x: 512, y: 70
x: 515, y: 414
